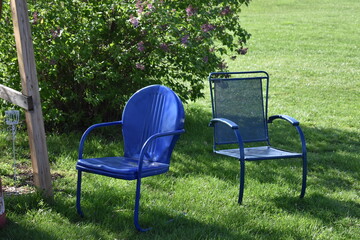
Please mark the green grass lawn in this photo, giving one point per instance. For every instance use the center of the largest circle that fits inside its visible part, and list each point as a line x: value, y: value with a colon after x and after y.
x: 311, y: 49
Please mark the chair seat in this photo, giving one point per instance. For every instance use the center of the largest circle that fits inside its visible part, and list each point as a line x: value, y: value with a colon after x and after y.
x: 121, y: 167
x: 259, y: 153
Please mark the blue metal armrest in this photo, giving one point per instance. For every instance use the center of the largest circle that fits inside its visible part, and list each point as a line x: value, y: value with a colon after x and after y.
x: 291, y: 120
x: 233, y: 126
x: 142, y: 153
x: 227, y: 122
x: 150, y: 140
x: 296, y: 124
x: 92, y: 127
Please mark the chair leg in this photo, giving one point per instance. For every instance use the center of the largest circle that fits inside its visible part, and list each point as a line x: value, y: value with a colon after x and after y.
x: 137, y: 206
x: 242, y: 180
x: 78, y: 195
x: 303, y: 188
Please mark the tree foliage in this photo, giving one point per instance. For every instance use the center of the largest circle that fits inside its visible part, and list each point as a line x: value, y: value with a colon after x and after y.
x: 93, y: 54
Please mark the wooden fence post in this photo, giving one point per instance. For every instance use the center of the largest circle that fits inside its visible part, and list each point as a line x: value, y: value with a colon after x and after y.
x: 30, y: 87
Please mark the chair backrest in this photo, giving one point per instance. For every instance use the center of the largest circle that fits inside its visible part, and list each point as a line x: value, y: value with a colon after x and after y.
x: 153, y: 109
x: 242, y: 98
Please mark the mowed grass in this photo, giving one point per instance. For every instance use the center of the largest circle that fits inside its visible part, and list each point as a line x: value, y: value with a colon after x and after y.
x: 311, y: 49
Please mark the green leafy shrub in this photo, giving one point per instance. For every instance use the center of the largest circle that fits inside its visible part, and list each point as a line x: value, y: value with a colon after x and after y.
x: 92, y: 55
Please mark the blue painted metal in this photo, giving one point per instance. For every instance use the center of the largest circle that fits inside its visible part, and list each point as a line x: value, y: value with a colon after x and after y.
x: 153, y: 119
x: 226, y: 89
x: 291, y: 120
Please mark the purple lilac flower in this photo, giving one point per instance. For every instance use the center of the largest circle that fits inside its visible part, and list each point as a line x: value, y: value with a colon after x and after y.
x: 190, y: 11
x: 140, y: 66
x: 207, y: 27
x: 226, y: 10
x: 139, y: 6
x: 206, y: 59
x: 140, y: 46
x: 164, y: 47
x: 150, y: 6
x: 134, y: 21
x: 35, y: 17
x: 185, y: 39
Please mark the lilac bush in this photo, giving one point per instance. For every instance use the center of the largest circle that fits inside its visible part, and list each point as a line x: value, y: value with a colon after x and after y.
x: 93, y: 54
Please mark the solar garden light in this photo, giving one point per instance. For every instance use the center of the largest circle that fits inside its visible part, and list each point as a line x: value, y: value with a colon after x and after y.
x: 12, y: 119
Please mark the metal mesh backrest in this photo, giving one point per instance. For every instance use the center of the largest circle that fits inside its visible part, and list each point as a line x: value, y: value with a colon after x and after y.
x: 240, y: 101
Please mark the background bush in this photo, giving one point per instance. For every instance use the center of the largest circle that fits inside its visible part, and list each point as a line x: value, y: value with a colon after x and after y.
x: 92, y: 55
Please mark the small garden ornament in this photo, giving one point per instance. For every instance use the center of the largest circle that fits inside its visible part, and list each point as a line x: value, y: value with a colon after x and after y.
x: 12, y: 119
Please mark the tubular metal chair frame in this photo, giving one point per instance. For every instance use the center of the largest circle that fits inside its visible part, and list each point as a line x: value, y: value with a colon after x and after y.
x: 135, y: 175
x: 254, y: 153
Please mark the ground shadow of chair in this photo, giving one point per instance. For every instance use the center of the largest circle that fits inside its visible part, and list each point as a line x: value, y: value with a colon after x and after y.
x: 152, y: 122
x: 240, y: 109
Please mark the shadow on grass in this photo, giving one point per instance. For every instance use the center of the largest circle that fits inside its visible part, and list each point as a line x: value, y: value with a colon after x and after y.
x: 22, y: 208
x: 320, y: 206
x: 13, y: 230
x: 107, y: 211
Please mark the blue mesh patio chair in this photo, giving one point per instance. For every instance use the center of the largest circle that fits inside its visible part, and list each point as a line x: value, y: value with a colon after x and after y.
x: 152, y: 122
x: 240, y: 116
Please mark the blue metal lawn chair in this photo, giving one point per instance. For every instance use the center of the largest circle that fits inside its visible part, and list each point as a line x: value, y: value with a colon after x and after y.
x: 152, y: 121
x: 240, y: 116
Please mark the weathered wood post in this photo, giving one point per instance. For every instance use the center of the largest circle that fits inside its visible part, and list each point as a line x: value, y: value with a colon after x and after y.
x: 30, y: 88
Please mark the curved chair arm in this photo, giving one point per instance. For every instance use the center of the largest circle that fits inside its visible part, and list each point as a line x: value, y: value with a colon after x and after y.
x: 233, y: 126
x: 138, y: 183
x: 92, y: 127
x: 296, y: 124
x: 150, y: 140
x: 291, y: 120
x: 227, y: 122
